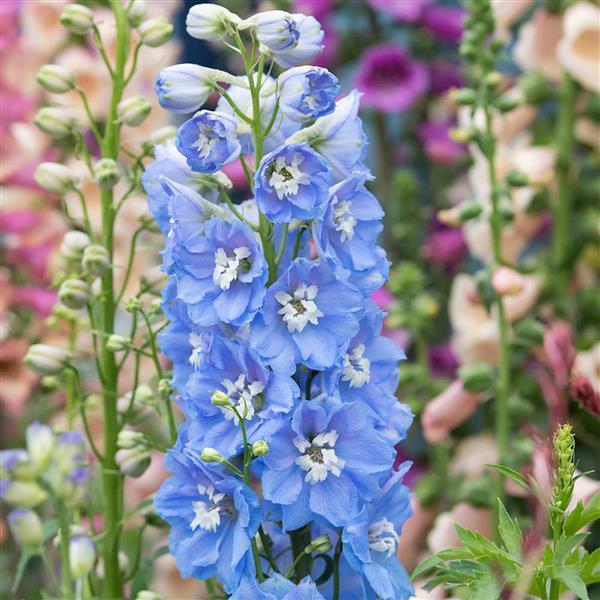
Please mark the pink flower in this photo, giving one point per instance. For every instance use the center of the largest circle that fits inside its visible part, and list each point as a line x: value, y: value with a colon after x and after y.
x: 445, y: 23
x: 439, y: 147
x: 40, y: 300
x: 507, y: 281
x: 390, y: 79
x: 444, y: 246
x: 383, y: 298
x: 447, y: 411
x: 406, y: 11
x: 319, y: 9
x: 559, y: 351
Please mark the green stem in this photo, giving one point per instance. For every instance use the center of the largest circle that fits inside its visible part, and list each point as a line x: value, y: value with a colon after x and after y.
x: 300, y: 538
x: 503, y: 381
x: 336, y: 569
x: 265, y: 542
x: 111, y: 478
x: 65, y: 538
x: 561, y: 230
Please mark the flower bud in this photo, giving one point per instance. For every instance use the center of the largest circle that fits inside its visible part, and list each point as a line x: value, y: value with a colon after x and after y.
x: 73, y: 245
x: 54, y: 177
x: 106, y: 172
x: 22, y: 493
x: 128, y: 439
x: 165, y: 388
x: 493, y: 79
x: 449, y: 216
x: 55, y: 78
x: 320, y: 544
x: 77, y: 18
x: 211, y: 455
x: 463, y: 96
x: 162, y: 135
x: 260, y: 448
x: 155, y: 32
x: 51, y: 383
x: 26, y: 527
x: 517, y: 178
x: 74, y: 293
x: 117, y: 343
x: 46, y: 360
x: 530, y: 332
x: 207, y: 21
x: 56, y: 122
x: 507, y: 103
x: 468, y: 211
x: 82, y: 555
x: 133, y: 462
x: 132, y: 111
x: 476, y: 377
x: 221, y: 399
x: 148, y: 595
x: 535, y: 88
x: 40, y: 443
x: 462, y: 135
x: 95, y: 260
x: 507, y: 281
x: 137, y: 12
x: 132, y: 305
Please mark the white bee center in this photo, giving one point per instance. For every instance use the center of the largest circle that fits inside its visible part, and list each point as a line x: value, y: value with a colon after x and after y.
x: 300, y: 309
x: 196, y: 356
x: 345, y: 222
x: 286, y: 178
x: 318, y: 457
x: 227, y: 268
x: 356, y: 368
x: 244, y: 396
x: 205, y: 142
x: 207, y: 512
x: 383, y: 537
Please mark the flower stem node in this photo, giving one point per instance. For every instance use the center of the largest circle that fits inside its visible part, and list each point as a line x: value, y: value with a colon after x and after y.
x: 133, y: 462
x: 476, y: 377
x: 117, y: 343
x: 74, y: 293
x: 73, y: 245
x: 133, y: 111
x: 155, y: 32
x: 54, y: 178
x: 96, y: 260
x: 58, y: 123
x: 221, y: 399
x: 321, y: 545
x: 260, y: 448
x: 137, y: 12
x: 26, y: 527
x: 106, y: 173
x: 82, y: 555
x: 56, y: 79
x: 47, y: 360
x: 77, y: 18
x: 210, y: 455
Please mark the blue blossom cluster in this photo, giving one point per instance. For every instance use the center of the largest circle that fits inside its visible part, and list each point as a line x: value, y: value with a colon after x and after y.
x: 284, y: 378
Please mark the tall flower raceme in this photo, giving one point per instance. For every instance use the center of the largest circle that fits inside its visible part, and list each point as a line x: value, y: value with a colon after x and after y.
x: 283, y: 375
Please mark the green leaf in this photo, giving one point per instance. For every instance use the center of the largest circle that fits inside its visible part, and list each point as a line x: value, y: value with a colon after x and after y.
x: 509, y: 532
x: 581, y: 516
x: 49, y: 529
x: 485, y: 586
x: 590, y: 567
x: 566, y: 544
x: 514, y: 475
x: 23, y: 560
x: 426, y: 565
x: 570, y: 577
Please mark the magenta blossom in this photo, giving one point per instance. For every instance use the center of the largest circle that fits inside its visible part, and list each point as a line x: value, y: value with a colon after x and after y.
x: 39, y: 300
x: 445, y: 23
x: 444, y: 75
x: 442, y: 361
x: 390, y: 79
x: 439, y: 146
x: 444, y: 246
x: 406, y: 11
x: 319, y: 9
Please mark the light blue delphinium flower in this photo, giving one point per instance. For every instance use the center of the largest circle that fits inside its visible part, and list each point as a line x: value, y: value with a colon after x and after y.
x: 277, y: 587
x: 339, y: 137
x: 324, y: 463
x: 259, y: 395
x: 290, y: 39
x: 307, y: 93
x: 308, y: 317
x: 208, y: 141
x: 221, y: 274
x: 367, y: 373
x: 350, y: 228
x: 291, y: 183
x: 213, y: 518
x: 371, y: 540
x: 184, y: 88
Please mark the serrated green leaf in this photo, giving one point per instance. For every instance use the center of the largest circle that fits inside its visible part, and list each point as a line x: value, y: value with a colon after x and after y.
x: 566, y: 545
x: 514, y: 475
x: 509, y: 532
x: 485, y: 586
x: 578, y: 519
x: 570, y: 577
x: 426, y: 565
x: 590, y: 568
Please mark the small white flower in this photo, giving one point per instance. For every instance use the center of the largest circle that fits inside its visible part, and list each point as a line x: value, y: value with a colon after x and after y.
x: 286, y: 178
x: 318, y: 457
x: 300, y: 309
x: 356, y: 368
x: 227, y: 268
x: 344, y: 220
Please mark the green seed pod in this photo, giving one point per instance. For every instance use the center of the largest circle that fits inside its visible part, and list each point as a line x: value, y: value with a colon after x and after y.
x: 74, y: 293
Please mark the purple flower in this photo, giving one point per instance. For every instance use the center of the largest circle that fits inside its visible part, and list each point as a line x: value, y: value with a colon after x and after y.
x: 406, y: 11
x: 445, y: 23
x: 442, y: 361
x: 439, y: 146
x: 390, y: 78
x: 443, y: 76
x: 444, y: 246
